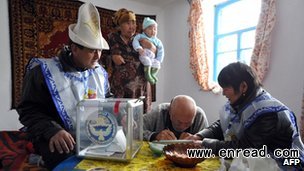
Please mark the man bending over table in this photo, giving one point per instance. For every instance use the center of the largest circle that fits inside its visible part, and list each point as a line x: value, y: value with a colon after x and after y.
x: 176, y: 120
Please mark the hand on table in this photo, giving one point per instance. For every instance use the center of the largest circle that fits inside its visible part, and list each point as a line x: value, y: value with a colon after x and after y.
x: 198, y: 142
x: 188, y: 136
x: 165, y: 135
x: 185, y: 136
x: 62, y: 141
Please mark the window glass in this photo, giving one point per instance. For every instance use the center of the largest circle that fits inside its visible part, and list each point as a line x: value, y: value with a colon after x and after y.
x: 227, y: 43
x: 245, y: 56
x: 234, y: 32
x: 224, y: 59
x: 247, y: 39
x: 231, y: 18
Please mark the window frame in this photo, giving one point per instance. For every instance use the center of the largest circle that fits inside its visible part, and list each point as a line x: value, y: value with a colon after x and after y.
x: 217, y: 37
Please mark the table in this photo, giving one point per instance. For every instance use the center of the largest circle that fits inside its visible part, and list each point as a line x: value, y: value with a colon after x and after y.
x: 144, y: 160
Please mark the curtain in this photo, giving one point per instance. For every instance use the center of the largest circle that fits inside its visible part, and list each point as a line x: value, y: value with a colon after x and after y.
x: 198, y: 53
x: 261, y: 51
x: 197, y: 42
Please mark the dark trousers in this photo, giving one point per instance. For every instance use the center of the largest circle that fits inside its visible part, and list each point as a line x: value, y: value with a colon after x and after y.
x: 51, y: 160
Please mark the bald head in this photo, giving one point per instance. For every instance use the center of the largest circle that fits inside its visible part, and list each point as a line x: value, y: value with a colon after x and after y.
x: 182, y: 112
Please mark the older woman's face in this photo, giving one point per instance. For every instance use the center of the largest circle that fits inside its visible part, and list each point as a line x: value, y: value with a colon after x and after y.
x: 231, y: 94
x: 128, y: 28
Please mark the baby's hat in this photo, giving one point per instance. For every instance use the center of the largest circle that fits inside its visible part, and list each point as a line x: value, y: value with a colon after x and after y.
x: 148, y: 22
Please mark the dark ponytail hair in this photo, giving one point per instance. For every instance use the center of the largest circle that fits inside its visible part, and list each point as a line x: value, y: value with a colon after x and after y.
x: 235, y: 73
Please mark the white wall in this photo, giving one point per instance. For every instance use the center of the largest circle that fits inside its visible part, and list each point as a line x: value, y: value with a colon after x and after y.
x: 284, y: 80
x: 8, y: 118
x: 178, y: 77
x: 285, y: 77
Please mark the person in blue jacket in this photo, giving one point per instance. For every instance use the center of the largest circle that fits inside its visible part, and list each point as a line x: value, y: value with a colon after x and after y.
x: 53, y: 87
x: 251, y: 118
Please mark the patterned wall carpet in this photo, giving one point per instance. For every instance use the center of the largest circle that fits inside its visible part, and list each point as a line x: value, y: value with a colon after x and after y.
x: 39, y: 28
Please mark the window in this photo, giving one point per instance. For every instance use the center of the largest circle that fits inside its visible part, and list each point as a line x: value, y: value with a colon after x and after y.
x: 234, y: 32
x: 234, y: 26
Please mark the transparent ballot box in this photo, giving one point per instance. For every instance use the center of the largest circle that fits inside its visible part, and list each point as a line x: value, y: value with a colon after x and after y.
x: 109, y: 128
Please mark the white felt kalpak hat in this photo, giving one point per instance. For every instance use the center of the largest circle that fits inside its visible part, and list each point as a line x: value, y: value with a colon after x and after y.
x: 86, y: 31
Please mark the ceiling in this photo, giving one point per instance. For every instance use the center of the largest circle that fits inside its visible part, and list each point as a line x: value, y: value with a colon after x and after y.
x: 157, y: 3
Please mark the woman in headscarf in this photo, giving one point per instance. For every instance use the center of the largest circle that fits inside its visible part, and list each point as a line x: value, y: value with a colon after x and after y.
x: 127, y: 77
